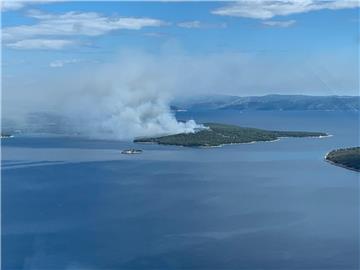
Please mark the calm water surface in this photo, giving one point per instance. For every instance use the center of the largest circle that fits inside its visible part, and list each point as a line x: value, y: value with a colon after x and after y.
x: 71, y: 203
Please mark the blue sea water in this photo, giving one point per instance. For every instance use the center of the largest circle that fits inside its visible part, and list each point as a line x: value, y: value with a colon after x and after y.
x: 75, y: 203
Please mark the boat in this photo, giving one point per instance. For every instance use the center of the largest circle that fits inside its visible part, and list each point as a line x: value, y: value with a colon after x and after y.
x: 5, y: 136
x: 131, y: 151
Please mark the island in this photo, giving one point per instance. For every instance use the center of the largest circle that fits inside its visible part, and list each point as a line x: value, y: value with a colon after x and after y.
x: 215, y: 134
x: 348, y: 158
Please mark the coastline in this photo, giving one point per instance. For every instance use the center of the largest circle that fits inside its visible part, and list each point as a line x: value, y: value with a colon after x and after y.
x: 270, y: 141
x: 225, y: 144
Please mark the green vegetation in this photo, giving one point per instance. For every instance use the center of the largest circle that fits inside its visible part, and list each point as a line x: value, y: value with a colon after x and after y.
x: 348, y: 158
x: 219, y: 134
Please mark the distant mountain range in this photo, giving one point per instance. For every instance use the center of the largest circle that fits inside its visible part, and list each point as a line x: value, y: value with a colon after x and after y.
x: 270, y: 103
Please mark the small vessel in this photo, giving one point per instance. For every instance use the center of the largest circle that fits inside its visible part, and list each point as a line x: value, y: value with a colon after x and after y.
x: 4, y: 136
x: 131, y: 151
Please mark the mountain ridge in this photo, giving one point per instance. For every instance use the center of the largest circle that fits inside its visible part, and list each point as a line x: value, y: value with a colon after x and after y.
x: 272, y: 102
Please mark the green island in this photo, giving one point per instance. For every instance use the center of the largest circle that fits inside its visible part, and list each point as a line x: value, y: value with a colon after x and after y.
x: 219, y: 134
x: 348, y: 158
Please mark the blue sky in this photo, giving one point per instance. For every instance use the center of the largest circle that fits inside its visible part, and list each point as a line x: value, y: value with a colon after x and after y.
x: 300, y: 47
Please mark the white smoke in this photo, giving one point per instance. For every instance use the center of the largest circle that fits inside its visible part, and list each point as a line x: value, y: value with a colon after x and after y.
x: 129, y: 97
x: 123, y: 112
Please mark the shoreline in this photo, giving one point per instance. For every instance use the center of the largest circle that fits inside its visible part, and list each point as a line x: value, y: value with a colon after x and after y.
x: 270, y: 141
x: 225, y: 144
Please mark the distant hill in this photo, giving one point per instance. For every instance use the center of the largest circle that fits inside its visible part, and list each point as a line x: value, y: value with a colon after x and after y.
x: 271, y: 103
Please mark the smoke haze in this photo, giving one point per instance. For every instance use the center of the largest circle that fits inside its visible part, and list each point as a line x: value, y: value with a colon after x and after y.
x: 130, y: 95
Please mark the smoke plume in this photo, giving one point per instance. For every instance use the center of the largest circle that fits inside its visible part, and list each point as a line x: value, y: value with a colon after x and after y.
x: 126, y: 98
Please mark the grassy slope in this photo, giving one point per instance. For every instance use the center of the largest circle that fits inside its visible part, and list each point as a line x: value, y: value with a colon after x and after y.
x: 219, y: 134
x: 349, y: 157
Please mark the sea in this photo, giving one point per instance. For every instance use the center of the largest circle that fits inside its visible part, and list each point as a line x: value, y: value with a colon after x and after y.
x: 78, y: 203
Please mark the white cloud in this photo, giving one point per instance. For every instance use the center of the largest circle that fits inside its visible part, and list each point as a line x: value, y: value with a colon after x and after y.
x: 72, y: 24
x: 11, y: 5
x: 281, y: 24
x: 156, y: 35
x: 265, y: 9
x: 190, y: 24
x: 61, y: 63
x: 27, y: 44
x: 198, y: 24
x: 8, y: 5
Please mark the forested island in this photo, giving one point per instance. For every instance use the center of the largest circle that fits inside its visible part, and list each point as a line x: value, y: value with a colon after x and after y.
x: 219, y: 134
x: 348, y: 158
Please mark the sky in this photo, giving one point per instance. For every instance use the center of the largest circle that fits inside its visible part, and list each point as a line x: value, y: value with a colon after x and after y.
x: 59, y: 53
x: 308, y: 47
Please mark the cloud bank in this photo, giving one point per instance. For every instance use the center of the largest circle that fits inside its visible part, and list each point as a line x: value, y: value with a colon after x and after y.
x: 265, y: 9
x: 62, y: 63
x: 10, y: 5
x: 52, y: 31
x: 75, y: 24
x: 41, y: 44
x: 281, y: 24
x: 199, y: 24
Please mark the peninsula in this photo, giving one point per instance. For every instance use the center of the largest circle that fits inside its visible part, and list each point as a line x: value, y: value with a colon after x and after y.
x: 348, y: 158
x: 219, y: 134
